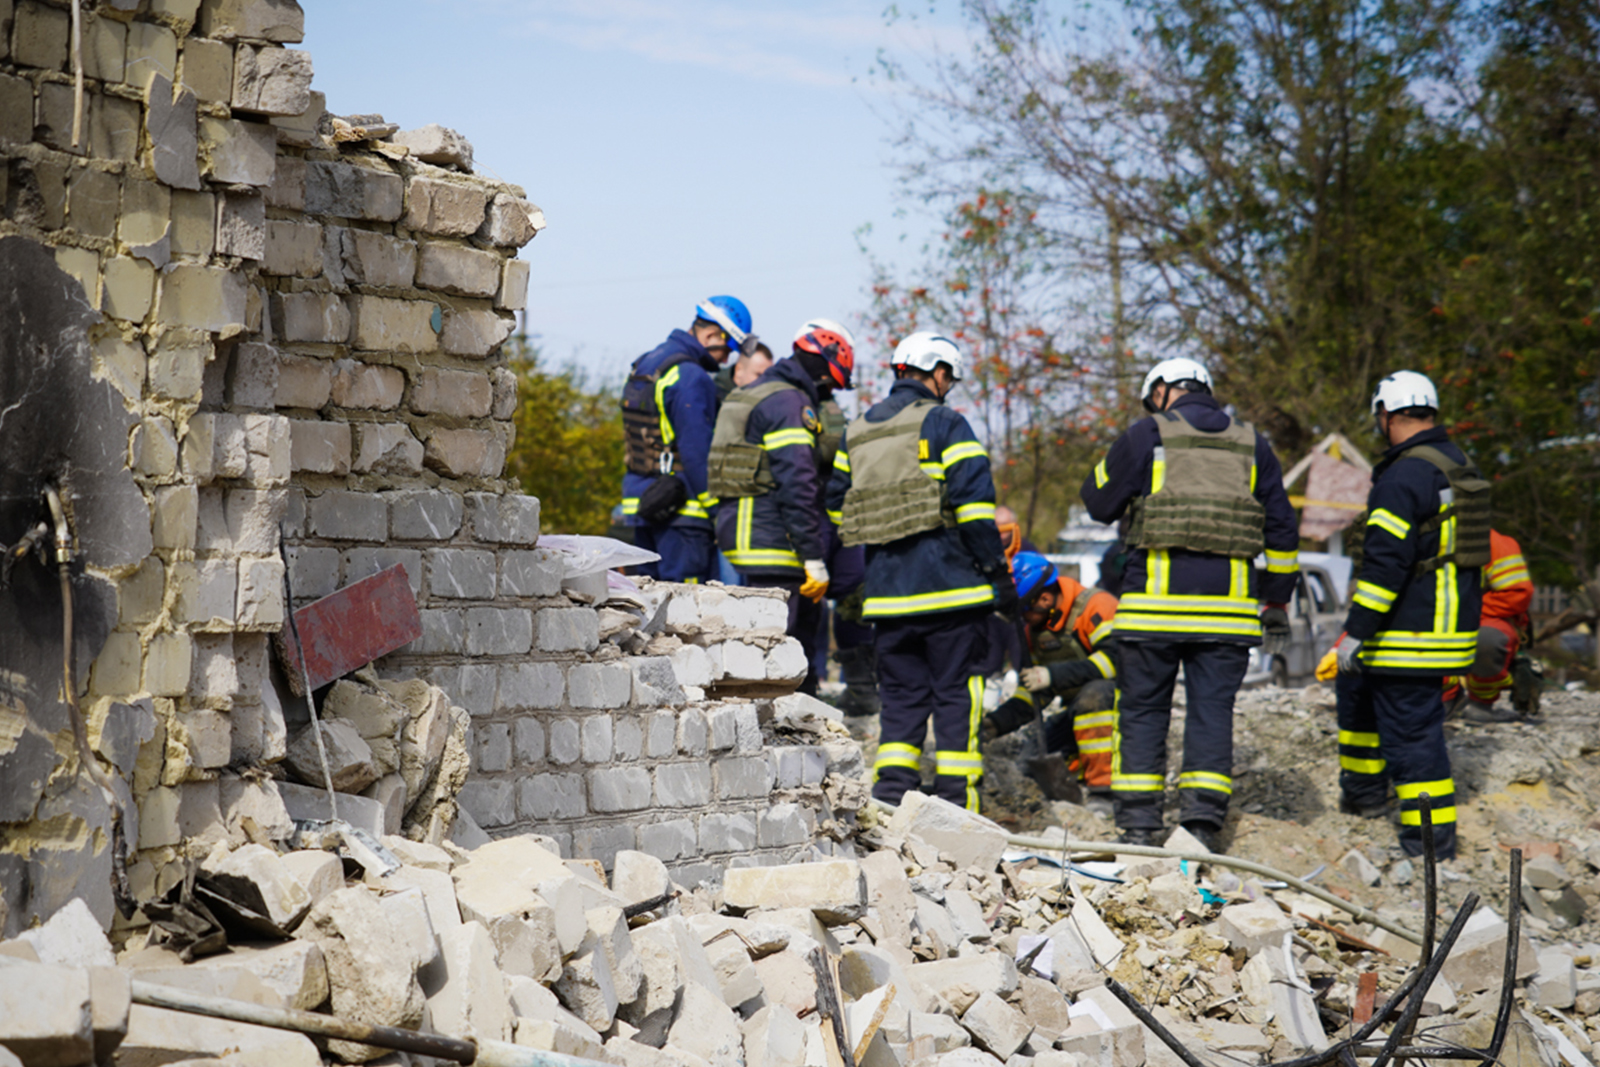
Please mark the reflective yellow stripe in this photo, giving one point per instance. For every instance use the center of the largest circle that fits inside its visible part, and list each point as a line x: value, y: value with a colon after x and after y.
x: 1440, y: 816
x: 668, y: 434
x: 1137, y: 783
x: 743, y: 518
x: 784, y: 438
x: 1283, y: 562
x: 841, y: 461
x: 630, y: 505
x: 1024, y: 695
x: 1388, y: 521
x: 1356, y: 737
x: 1179, y: 624
x: 1252, y: 474
x: 1220, y: 783
x: 1444, y: 599
x: 961, y: 450
x: 959, y: 764
x: 1096, y: 744
x: 693, y: 509
x: 974, y: 512
x: 1412, y: 790
x: 1108, y: 669
x: 1100, y: 633
x: 1157, y: 567
x: 836, y: 517
x: 1213, y: 605
x: 1374, y: 596
x: 974, y: 715
x: 1158, y: 470
x: 917, y: 603
x: 1362, y: 766
x: 1504, y: 573
x: 1092, y: 720
x: 932, y: 470
x: 1100, y: 475
x: 896, y: 754
x: 1239, y: 579
x: 764, y: 557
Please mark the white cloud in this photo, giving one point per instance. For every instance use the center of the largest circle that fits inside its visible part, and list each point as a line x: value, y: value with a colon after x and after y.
x: 825, y: 45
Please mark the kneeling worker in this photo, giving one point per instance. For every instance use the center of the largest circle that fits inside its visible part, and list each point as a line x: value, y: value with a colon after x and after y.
x: 1068, y: 627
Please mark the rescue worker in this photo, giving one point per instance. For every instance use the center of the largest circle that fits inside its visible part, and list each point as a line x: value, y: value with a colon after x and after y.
x: 765, y: 469
x: 1204, y: 496
x: 1503, y: 626
x: 1068, y: 629
x: 669, y: 407
x: 1413, y: 618
x: 752, y: 366
x: 847, y: 569
x: 912, y: 483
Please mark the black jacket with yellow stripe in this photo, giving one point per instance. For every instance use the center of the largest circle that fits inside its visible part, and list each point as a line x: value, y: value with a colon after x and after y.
x: 941, y: 569
x: 1412, y: 617
x: 1178, y: 595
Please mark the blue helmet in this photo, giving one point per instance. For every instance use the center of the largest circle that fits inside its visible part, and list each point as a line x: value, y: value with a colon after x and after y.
x: 728, y: 312
x: 1032, y: 573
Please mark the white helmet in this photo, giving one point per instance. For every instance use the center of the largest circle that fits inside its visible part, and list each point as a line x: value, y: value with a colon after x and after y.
x: 925, y: 350
x: 1180, y: 369
x: 1404, y: 389
x: 827, y: 326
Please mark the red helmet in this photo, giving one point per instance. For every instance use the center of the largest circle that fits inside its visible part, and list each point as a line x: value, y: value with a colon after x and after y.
x: 826, y: 338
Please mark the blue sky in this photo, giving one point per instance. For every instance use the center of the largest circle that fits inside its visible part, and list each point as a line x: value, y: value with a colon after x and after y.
x: 679, y: 148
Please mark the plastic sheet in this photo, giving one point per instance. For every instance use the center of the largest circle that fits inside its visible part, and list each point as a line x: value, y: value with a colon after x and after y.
x: 586, y: 554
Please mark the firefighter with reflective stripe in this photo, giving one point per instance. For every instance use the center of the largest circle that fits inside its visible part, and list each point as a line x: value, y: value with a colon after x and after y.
x: 766, y: 470
x: 1413, y: 617
x: 1503, y: 627
x: 1204, y: 496
x: 669, y: 406
x: 1068, y: 626
x: 912, y: 483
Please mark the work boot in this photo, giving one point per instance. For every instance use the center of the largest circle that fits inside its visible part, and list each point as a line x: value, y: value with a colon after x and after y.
x: 1476, y: 711
x: 1364, y: 811
x: 1139, y: 836
x: 1209, y: 836
x: 858, y: 667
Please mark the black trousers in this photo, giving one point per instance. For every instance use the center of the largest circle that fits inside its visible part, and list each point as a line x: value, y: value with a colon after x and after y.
x: 1391, y: 730
x: 1147, y: 674
x: 931, y: 665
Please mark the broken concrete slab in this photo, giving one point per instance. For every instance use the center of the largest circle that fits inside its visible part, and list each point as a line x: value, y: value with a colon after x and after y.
x: 1254, y: 927
x: 319, y: 873
x: 586, y: 988
x: 45, y: 1014
x: 961, y: 980
x: 294, y: 970
x: 774, y: 1037
x: 969, y: 839
x: 157, y: 1036
x: 834, y: 890
x: 518, y: 876
x: 72, y: 937
x: 995, y: 1025
x: 471, y: 999
x: 370, y: 975
x: 638, y: 876
x: 736, y: 974
x: 255, y: 878
x: 707, y: 1028
x: 1477, y: 960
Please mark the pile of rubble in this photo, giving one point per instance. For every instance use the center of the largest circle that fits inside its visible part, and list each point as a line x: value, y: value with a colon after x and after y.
x: 939, y: 942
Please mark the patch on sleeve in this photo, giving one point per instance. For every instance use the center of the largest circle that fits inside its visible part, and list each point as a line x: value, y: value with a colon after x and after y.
x: 808, y: 418
x: 922, y: 448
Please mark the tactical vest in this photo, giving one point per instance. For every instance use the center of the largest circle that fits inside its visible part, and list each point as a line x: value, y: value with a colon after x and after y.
x: 832, y: 433
x: 735, y: 467
x: 645, y: 446
x: 1466, y: 500
x: 890, y: 495
x: 1065, y: 648
x: 1203, y: 500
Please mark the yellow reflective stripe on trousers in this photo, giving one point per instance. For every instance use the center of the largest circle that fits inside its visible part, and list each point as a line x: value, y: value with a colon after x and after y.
x: 961, y: 450
x: 1221, y: 783
x: 1101, y: 477
x: 668, y: 434
x: 841, y: 461
x: 1374, y: 596
x: 959, y: 764
x: 916, y: 603
x: 1362, y: 766
x: 1389, y: 522
x: 1440, y: 816
x: 896, y: 754
x: 1137, y: 783
x: 1443, y: 787
x: 1282, y: 562
x: 784, y: 438
x: 1357, y: 737
x: 975, y: 713
x: 974, y: 512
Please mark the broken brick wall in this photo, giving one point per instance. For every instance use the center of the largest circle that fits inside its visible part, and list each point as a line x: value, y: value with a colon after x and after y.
x: 292, y: 324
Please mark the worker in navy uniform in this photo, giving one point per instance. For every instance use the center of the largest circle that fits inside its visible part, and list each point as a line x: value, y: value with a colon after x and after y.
x: 669, y: 407
x: 766, y: 471
x: 912, y: 483
x: 1204, y: 496
x: 1413, y: 618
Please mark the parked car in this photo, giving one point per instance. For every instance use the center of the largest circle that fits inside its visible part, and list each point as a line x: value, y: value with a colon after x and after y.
x: 1316, y: 615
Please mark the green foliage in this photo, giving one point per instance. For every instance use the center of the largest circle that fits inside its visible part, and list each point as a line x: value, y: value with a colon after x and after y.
x: 568, y: 445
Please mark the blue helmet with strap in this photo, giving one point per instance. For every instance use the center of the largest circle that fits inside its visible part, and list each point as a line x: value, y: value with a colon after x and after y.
x: 728, y: 312
x: 1032, y: 574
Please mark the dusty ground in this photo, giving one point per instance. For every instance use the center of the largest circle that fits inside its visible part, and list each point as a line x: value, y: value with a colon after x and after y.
x: 1515, y: 783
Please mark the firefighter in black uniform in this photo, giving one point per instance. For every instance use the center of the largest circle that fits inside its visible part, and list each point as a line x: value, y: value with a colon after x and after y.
x: 766, y: 470
x: 1204, y: 496
x: 1413, y: 617
x: 912, y: 483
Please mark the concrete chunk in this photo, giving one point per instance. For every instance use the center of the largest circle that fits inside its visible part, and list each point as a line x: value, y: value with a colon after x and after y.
x: 586, y: 988
x: 255, y: 878
x: 736, y: 975
x: 962, y: 979
x: 71, y: 938
x: 45, y: 1014
x: 156, y: 1037
x: 707, y: 1028
x: 1254, y: 927
x: 834, y: 890
x: 517, y: 876
x: 470, y: 998
x: 294, y: 970
x: 996, y: 1025
x: 371, y: 975
x: 774, y: 1037
x: 638, y: 876
x: 1477, y: 960
x: 610, y: 930
x: 966, y: 837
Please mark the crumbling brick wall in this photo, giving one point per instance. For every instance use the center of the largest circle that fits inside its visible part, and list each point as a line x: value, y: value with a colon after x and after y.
x: 303, y: 323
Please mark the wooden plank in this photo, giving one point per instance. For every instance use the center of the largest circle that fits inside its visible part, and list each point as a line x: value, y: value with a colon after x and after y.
x: 1366, y: 998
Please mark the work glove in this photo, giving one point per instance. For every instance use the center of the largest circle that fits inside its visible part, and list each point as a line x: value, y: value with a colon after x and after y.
x: 1328, y: 666
x: 1005, y: 593
x: 1035, y: 678
x: 1275, y: 621
x: 1347, y: 649
x: 815, y: 587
